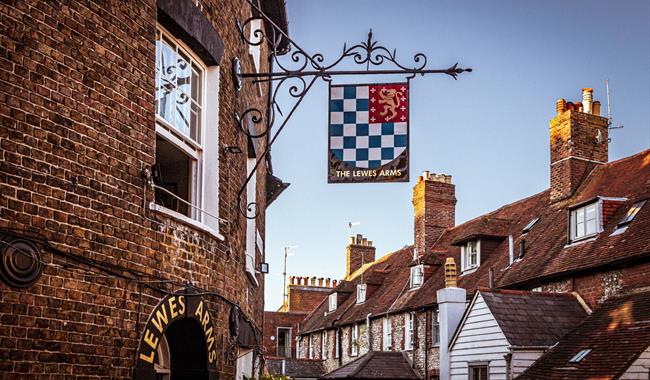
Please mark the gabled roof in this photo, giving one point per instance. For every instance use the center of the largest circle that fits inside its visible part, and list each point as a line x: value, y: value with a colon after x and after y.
x: 533, y: 319
x: 547, y: 252
x: 617, y: 333
x: 376, y: 365
x: 295, y: 368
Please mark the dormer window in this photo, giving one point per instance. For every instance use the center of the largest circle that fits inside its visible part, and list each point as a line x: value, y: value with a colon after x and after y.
x: 584, y: 221
x: 417, y: 276
x: 332, y: 302
x: 471, y: 255
x: 361, y: 293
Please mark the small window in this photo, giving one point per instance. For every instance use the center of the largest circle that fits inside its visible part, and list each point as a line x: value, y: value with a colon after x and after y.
x: 577, y: 358
x: 354, y: 341
x: 435, y: 328
x: 529, y: 226
x: 584, y: 222
x: 361, y: 293
x: 388, y: 334
x: 332, y: 302
x: 470, y: 255
x: 283, y: 348
x: 478, y: 372
x: 631, y: 214
x: 417, y: 276
x: 323, y: 345
x: 409, y: 329
x: 311, y: 347
x: 337, y: 344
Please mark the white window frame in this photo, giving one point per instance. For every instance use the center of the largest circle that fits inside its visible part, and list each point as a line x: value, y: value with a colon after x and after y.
x: 388, y: 334
x: 361, y: 293
x: 337, y: 344
x: 323, y: 346
x: 298, y: 341
x: 332, y: 302
x: 252, y: 236
x: 473, y: 365
x: 205, y: 152
x: 465, y: 255
x: 409, y: 323
x: 579, y: 222
x: 311, y: 347
x: 354, y: 340
x: 417, y: 276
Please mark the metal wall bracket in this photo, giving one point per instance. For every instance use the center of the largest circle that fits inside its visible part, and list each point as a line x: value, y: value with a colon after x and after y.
x: 305, y: 69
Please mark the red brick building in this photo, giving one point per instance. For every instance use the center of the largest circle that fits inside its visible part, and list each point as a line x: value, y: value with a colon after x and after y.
x: 588, y: 235
x: 126, y: 248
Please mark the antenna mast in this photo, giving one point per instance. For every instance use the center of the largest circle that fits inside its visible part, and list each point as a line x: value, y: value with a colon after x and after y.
x: 609, y: 108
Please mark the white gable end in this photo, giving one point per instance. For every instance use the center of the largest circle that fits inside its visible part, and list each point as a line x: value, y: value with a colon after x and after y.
x: 479, y: 340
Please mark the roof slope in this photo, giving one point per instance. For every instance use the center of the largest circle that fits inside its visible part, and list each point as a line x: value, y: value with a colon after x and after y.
x: 624, y: 320
x: 533, y: 318
x: 295, y: 367
x: 376, y: 365
x: 547, y: 254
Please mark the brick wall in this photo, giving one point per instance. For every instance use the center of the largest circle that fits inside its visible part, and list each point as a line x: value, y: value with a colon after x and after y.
x: 77, y: 109
x: 434, y: 208
x: 574, y: 149
x: 273, y: 320
x: 597, y: 287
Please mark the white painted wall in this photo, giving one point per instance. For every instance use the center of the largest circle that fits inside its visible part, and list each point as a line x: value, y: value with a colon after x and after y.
x: 640, y: 369
x: 522, y: 359
x: 479, y: 340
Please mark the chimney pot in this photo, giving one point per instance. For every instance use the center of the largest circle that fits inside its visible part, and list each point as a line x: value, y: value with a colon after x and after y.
x: 328, y: 282
x: 369, y: 243
x: 359, y: 238
x: 334, y: 282
x: 320, y: 282
x: 291, y: 279
x: 364, y: 241
x: 305, y: 281
x: 587, y: 99
x: 450, y: 273
x: 560, y: 106
x: 595, y: 108
x: 425, y: 175
x: 313, y: 281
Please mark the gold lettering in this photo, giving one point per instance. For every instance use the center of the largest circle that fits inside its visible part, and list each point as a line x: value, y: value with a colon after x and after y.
x: 181, y: 302
x: 199, y: 310
x: 172, y: 307
x: 150, y: 339
x: 160, y: 318
x: 212, y: 356
x: 206, y: 319
x: 148, y: 359
x: 210, y: 338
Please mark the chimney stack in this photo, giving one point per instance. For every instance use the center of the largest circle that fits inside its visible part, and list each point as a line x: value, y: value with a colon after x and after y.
x: 451, y: 307
x: 360, y: 251
x: 434, y: 209
x: 579, y: 142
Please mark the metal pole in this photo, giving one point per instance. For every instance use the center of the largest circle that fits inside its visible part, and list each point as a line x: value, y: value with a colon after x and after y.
x: 284, y: 274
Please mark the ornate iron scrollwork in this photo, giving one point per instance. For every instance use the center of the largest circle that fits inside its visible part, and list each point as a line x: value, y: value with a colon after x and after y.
x: 303, y: 65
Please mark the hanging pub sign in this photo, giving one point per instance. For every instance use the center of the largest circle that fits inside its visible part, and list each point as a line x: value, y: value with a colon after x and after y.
x: 368, y: 133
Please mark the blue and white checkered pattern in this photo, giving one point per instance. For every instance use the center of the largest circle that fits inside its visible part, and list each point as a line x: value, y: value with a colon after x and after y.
x: 355, y: 140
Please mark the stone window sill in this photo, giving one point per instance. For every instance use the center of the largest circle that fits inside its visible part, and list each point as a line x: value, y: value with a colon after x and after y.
x: 186, y: 220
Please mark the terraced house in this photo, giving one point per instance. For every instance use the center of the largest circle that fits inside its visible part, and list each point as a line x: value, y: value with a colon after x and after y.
x: 550, y: 286
x: 131, y: 242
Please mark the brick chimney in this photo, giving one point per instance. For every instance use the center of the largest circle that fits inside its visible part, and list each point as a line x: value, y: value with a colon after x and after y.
x: 359, y: 251
x: 579, y: 142
x: 434, y: 207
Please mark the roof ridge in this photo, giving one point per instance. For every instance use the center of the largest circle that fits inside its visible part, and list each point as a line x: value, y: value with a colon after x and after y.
x: 527, y: 292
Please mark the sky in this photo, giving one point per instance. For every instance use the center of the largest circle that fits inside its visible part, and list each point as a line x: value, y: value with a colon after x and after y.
x: 488, y: 129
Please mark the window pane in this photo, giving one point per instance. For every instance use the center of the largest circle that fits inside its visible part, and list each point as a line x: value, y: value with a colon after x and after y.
x: 175, y: 172
x: 580, y: 215
x: 591, y: 227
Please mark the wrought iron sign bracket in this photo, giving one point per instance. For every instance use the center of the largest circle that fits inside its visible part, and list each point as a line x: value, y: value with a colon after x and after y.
x: 299, y: 78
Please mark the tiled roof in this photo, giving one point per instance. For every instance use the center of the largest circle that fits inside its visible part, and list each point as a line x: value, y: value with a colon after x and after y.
x: 533, y: 318
x: 376, y: 365
x: 617, y: 333
x: 295, y: 368
x: 547, y: 252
